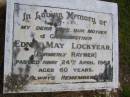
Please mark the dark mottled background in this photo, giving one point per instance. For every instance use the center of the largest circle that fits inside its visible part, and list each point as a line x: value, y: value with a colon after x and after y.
x: 124, y: 46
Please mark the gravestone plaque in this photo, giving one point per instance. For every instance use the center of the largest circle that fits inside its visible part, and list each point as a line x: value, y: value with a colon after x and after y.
x: 60, y: 45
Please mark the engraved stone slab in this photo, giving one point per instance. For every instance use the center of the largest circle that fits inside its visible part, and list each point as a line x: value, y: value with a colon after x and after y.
x: 54, y: 45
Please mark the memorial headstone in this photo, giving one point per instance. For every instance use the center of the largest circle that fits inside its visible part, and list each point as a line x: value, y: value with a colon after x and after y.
x: 60, y: 45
